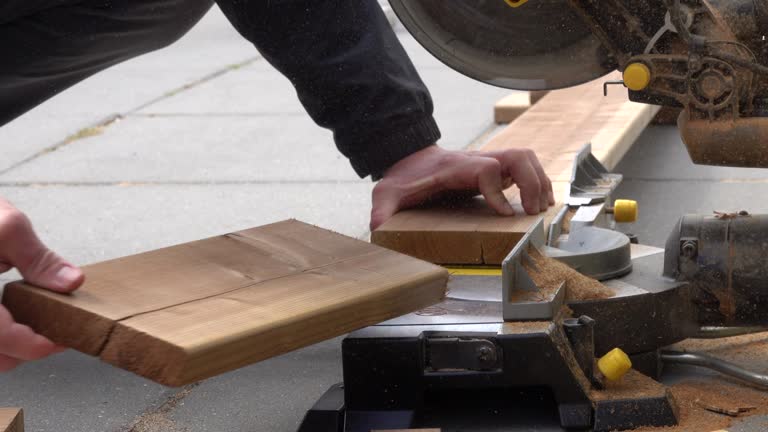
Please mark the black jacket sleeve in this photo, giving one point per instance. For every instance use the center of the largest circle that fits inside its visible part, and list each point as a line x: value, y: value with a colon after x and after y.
x: 350, y: 72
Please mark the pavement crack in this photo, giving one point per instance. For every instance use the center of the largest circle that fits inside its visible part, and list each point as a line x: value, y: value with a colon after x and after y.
x: 99, y: 127
x: 195, y: 83
x: 86, y: 132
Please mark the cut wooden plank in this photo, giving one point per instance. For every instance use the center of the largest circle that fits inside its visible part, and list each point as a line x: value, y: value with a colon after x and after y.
x: 469, y: 233
x: 515, y: 104
x: 11, y: 420
x: 511, y: 107
x: 556, y: 128
x: 188, y: 312
x: 537, y: 95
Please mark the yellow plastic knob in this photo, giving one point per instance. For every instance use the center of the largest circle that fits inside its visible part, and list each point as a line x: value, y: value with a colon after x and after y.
x: 515, y: 3
x: 637, y: 76
x: 625, y: 211
x: 615, y: 364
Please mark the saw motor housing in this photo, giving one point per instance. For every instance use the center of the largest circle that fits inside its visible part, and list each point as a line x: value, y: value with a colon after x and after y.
x: 706, y: 57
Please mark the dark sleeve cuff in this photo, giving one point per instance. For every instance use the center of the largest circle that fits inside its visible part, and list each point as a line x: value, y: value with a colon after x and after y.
x: 380, y: 149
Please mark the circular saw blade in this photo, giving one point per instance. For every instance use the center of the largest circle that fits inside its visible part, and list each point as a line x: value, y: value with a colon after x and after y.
x: 541, y: 45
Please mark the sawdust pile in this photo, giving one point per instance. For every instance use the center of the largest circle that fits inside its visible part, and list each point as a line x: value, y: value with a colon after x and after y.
x: 750, y: 349
x: 155, y: 422
x: 566, y: 224
x: 710, y: 404
x: 548, y: 274
x: 697, y: 402
x: 159, y: 420
x: 632, y: 385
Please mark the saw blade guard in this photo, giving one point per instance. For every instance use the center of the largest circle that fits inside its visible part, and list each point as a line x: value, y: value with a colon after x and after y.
x: 537, y: 45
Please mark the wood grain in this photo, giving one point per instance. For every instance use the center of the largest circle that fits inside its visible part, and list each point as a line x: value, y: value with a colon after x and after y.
x: 11, y: 420
x: 556, y: 128
x: 188, y: 312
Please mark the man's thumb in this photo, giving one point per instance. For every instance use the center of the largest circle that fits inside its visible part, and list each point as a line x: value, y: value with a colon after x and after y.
x: 21, y: 248
x: 386, y: 202
x: 48, y: 270
x: 53, y: 273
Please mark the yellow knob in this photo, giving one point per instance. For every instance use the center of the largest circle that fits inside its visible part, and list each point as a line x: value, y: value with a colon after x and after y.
x: 515, y: 3
x: 637, y: 76
x: 625, y: 211
x: 615, y: 364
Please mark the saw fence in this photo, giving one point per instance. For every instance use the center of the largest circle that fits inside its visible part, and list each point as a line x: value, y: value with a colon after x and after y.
x: 556, y: 127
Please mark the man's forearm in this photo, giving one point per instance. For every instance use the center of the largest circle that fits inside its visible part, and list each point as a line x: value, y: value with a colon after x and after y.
x: 350, y: 72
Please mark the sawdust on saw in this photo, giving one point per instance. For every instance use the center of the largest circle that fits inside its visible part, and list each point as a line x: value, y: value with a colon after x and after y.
x: 548, y: 274
x: 710, y: 404
x: 750, y: 349
x: 566, y: 223
x: 696, y: 400
x: 633, y: 385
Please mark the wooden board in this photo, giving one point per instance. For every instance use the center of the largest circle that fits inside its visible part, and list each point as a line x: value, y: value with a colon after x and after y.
x: 556, y: 128
x: 188, y: 312
x: 511, y: 107
x: 11, y: 420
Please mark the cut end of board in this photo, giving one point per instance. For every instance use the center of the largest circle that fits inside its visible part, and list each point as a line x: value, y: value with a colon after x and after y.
x: 188, y: 312
x: 61, y: 321
x: 472, y: 234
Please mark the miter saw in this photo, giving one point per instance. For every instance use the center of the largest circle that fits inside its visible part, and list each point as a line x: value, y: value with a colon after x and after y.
x: 499, y: 339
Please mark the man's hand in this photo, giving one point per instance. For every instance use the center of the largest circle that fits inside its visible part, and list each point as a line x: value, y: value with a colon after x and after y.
x: 434, y: 171
x: 20, y: 248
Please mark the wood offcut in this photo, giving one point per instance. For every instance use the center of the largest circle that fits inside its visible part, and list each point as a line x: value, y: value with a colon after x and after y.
x: 11, y: 420
x: 556, y: 128
x: 192, y: 311
x: 513, y: 106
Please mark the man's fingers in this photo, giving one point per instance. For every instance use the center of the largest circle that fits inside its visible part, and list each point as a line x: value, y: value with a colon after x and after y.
x: 491, y: 186
x: 386, y: 199
x: 8, y: 363
x: 527, y: 180
x: 524, y: 168
x: 20, y: 247
x: 546, y: 184
x: 20, y: 342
